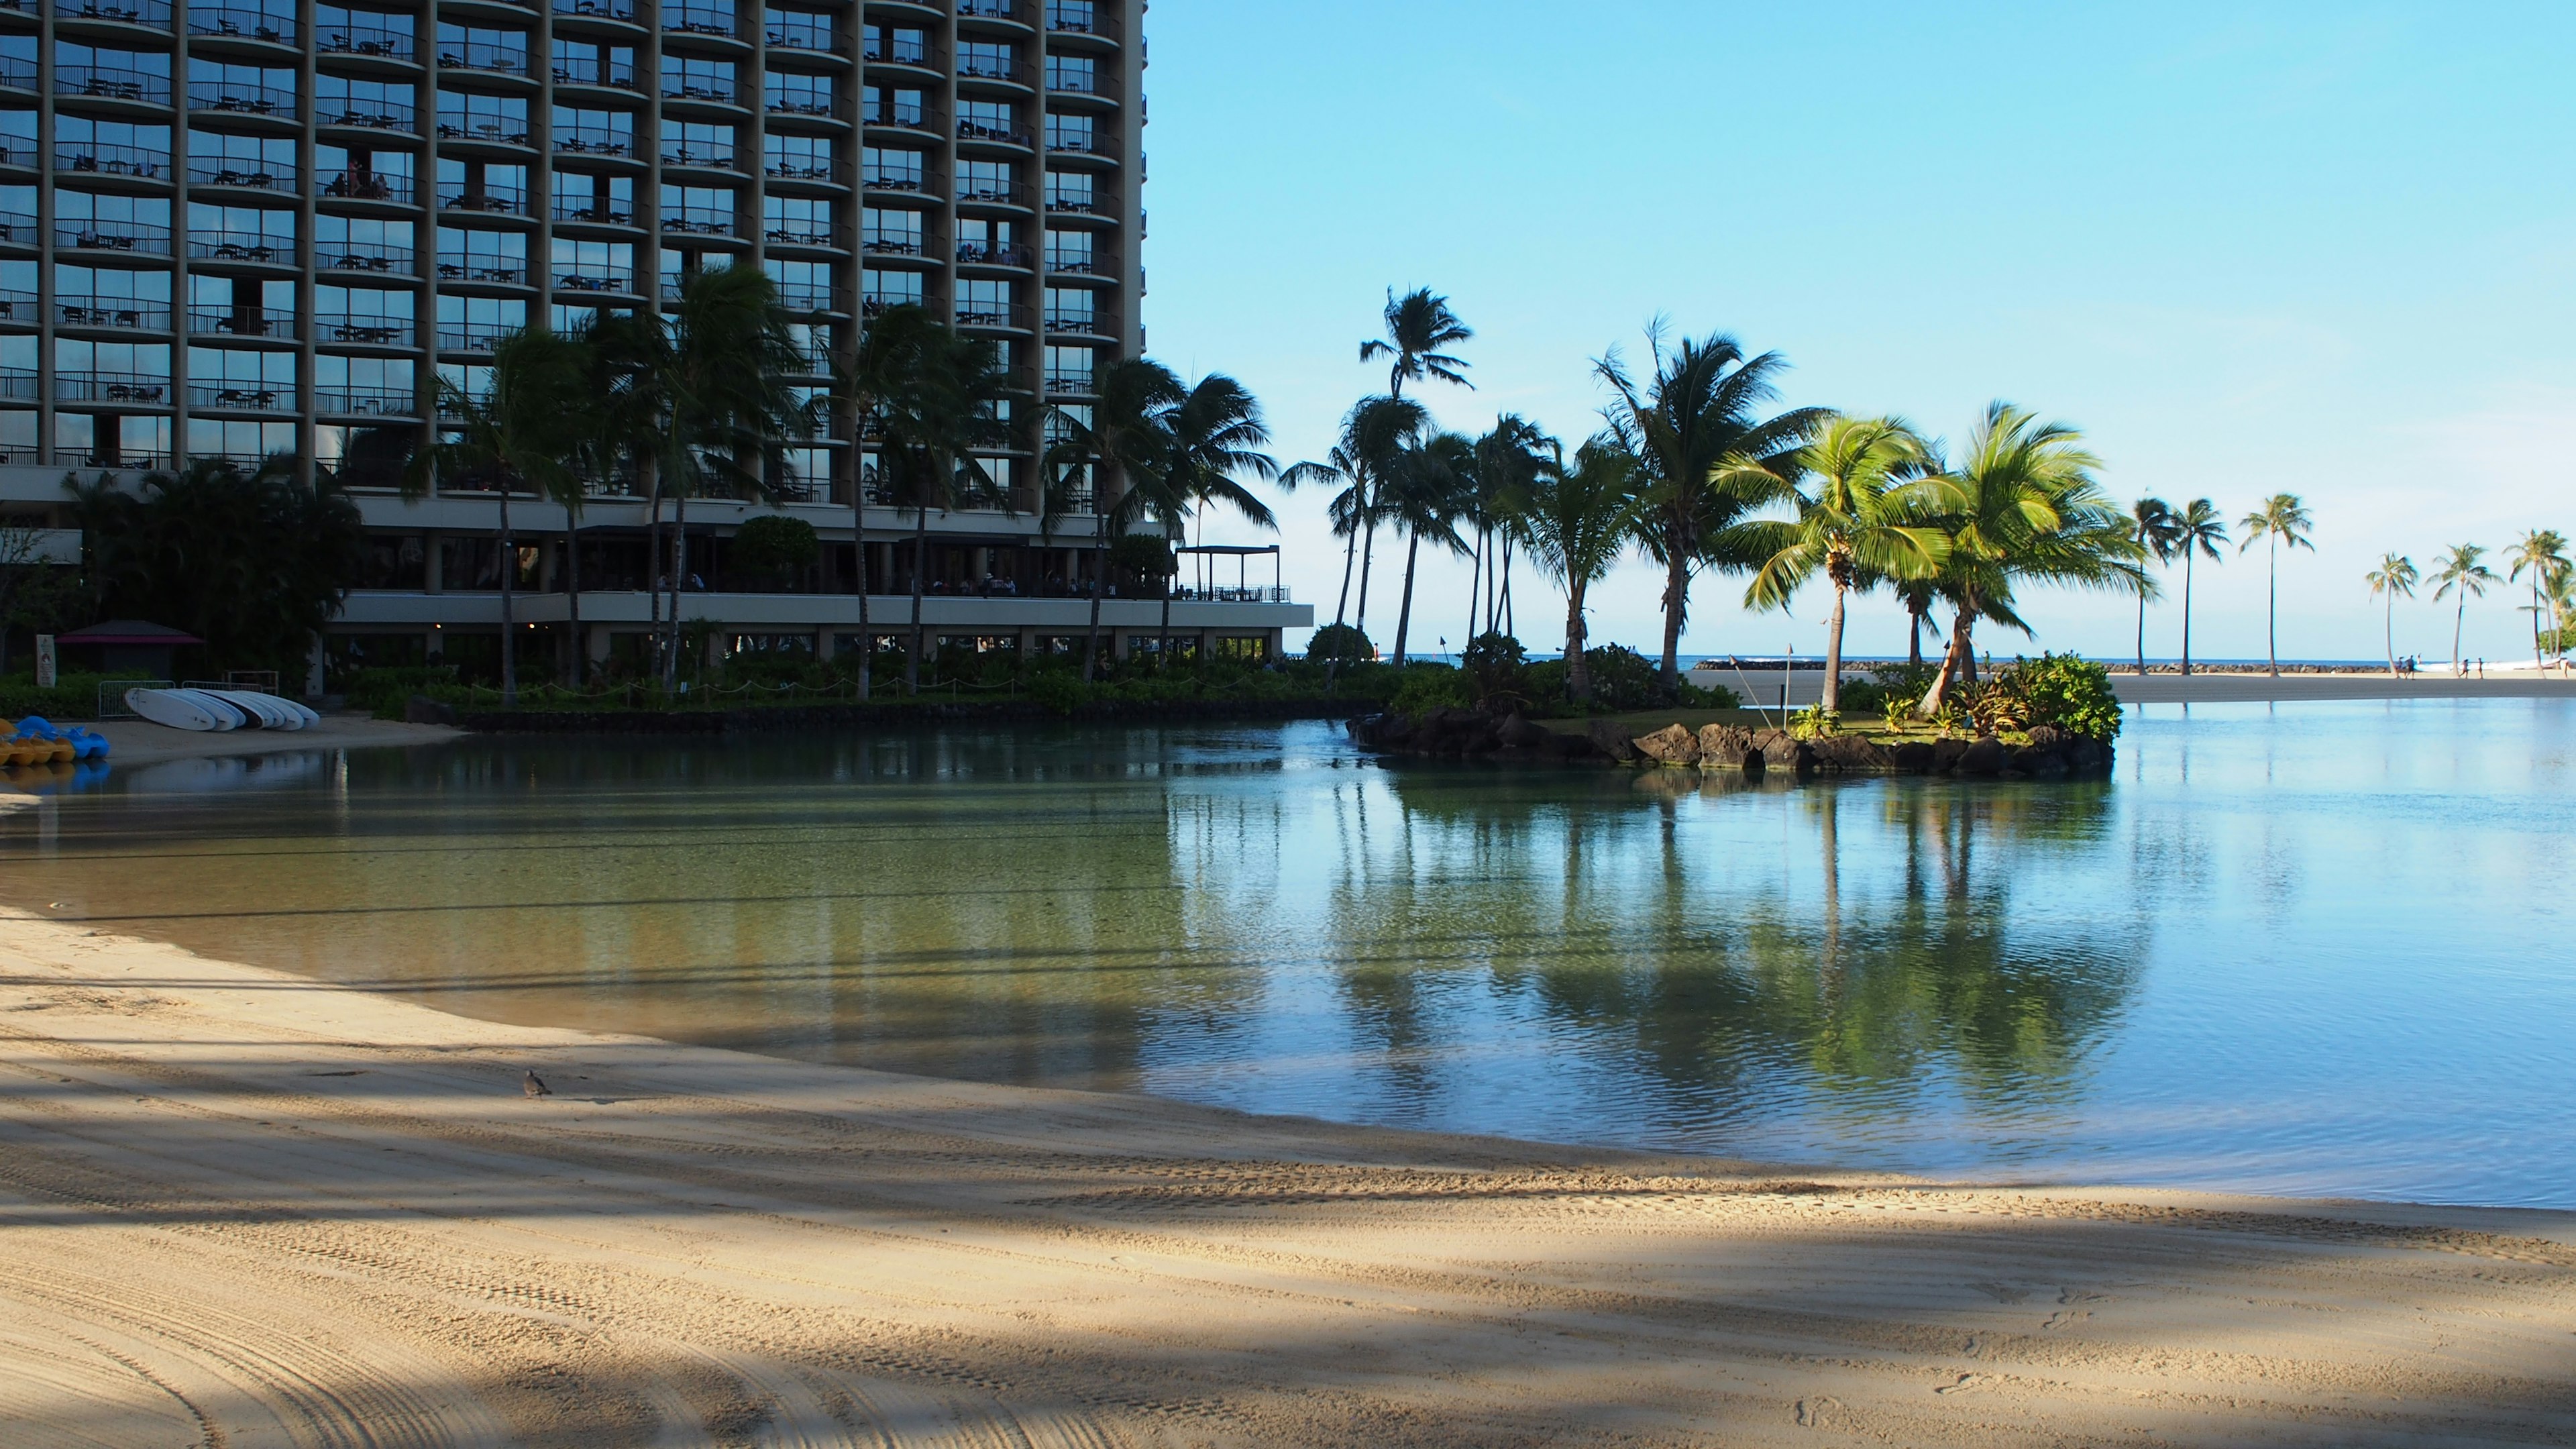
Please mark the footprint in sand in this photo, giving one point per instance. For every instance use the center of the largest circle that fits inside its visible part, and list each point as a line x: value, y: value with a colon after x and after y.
x: 2066, y: 1318
x: 1812, y: 1413
x: 1968, y: 1383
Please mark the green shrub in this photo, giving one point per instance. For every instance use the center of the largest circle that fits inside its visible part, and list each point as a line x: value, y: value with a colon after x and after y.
x: 1340, y: 641
x: 774, y: 549
x: 384, y: 692
x: 2072, y: 693
x: 1495, y: 665
x: 74, y: 696
x: 1432, y: 686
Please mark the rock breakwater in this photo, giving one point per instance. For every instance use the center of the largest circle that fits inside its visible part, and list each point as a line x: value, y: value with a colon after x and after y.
x: 2046, y: 753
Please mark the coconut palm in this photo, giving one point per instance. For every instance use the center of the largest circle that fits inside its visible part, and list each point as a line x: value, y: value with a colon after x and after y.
x: 1373, y: 437
x: 2022, y: 507
x: 2541, y: 553
x: 2462, y: 572
x: 2280, y: 522
x: 1860, y: 511
x: 1575, y: 524
x: 1424, y: 500
x: 961, y: 387
x: 2198, y: 529
x: 885, y: 383
x: 1215, y: 436
x: 1918, y: 596
x: 1705, y: 456
x: 2394, y: 576
x: 521, y: 433
x: 1418, y: 326
x: 2153, y: 519
x: 1130, y: 435
x: 1505, y: 461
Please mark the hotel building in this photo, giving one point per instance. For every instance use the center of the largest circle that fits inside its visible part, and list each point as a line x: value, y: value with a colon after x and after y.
x: 230, y: 228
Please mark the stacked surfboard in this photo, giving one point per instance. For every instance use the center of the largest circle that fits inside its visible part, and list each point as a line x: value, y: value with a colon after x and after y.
x: 219, y: 709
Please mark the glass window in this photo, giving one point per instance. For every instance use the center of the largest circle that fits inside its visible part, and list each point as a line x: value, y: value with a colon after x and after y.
x: 478, y: 117
x: 983, y: 181
x: 992, y: 120
x: 696, y: 78
x: 84, y: 145
x: 890, y: 168
x: 801, y: 158
x: 898, y: 232
x: 797, y: 93
x: 696, y: 143
x: 377, y: 105
x: 1069, y: 251
x: 594, y: 133
x: 797, y: 220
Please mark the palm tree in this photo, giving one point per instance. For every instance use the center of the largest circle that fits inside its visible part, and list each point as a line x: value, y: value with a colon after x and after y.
x: 1424, y: 502
x: 1130, y: 434
x: 1506, y: 460
x: 2542, y: 553
x: 2199, y: 528
x: 1860, y: 516
x: 2395, y: 575
x: 1918, y: 596
x: 1216, y: 434
x: 2282, y: 520
x: 884, y: 383
x: 2022, y: 507
x: 702, y: 392
x: 1418, y: 326
x: 1371, y: 444
x: 524, y: 431
x: 2154, y: 522
x: 1575, y: 524
x: 1704, y: 456
x: 2462, y: 572
x: 961, y: 383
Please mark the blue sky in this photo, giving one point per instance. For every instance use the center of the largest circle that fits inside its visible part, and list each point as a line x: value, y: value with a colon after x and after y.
x: 2318, y: 248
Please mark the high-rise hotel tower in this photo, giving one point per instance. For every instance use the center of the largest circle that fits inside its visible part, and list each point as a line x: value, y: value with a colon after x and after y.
x: 231, y: 228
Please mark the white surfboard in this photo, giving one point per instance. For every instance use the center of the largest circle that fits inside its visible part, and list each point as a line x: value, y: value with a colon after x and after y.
x: 174, y: 708
x: 271, y: 712
x: 311, y: 715
x: 228, y: 716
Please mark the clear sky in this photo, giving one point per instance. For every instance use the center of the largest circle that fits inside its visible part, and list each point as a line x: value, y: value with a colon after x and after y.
x: 2322, y: 248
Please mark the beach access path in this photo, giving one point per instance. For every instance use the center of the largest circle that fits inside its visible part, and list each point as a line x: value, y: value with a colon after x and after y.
x: 248, y: 1209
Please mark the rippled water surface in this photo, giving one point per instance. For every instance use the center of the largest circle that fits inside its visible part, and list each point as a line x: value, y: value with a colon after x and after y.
x: 2314, y: 949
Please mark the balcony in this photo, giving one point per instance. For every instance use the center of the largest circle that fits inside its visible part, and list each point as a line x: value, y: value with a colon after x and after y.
x: 17, y: 228
x: 993, y: 192
x: 711, y: 157
x: 1077, y: 383
x: 361, y: 256
x: 1078, y: 203
x: 992, y: 314
x: 242, y: 246
x: 249, y: 397
x: 988, y: 9
x: 878, y: 180
x: 473, y: 336
x: 595, y: 213
x: 593, y: 141
x: 367, y: 186
x: 500, y: 271
x: 1067, y: 141
x: 17, y: 151
x: 128, y: 314
x: 1078, y: 264
x: 495, y: 133
x: 20, y: 384
x: 605, y: 279
x: 244, y: 98
x: 969, y: 129
x: 612, y: 76
x: 799, y: 234
x: 802, y: 32
x: 683, y: 88
x: 1072, y: 17
x: 224, y: 22
x: 804, y: 298
x: 698, y: 220
x: 800, y: 102
x: 902, y: 116
x: 138, y: 237
x: 94, y: 159
x: 365, y: 115
x: 368, y: 330
x: 112, y: 83
x: 356, y: 36
x: 598, y: 9
x: 18, y: 309
x: 976, y: 64
x: 242, y: 175
x: 1072, y: 321
x: 792, y: 168
x: 486, y: 56
x: 276, y: 324
x: 886, y: 50
x: 981, y: 255
x: 122, y: 387
x: 154, y: 13
x: 369, y: 402
x: 698, y: 20
x: 1072, y: 78
x: 490, y: 201
x: 18, y: 72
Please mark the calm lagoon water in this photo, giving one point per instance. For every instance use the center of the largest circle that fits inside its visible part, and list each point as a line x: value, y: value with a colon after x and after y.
x: 2307, y: 949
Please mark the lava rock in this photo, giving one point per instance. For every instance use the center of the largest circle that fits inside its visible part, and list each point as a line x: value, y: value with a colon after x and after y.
x: 1725, y: 746
x: 1984, y: 757
x: 1914, y: 757
x: 421, y: 709
x: 1671, y: 745
x: 1610, y: 739
x: 1852, y: 755
x: 1518, y: 733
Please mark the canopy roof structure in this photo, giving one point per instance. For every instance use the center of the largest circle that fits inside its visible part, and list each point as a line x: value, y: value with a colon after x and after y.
x: 128, y: 632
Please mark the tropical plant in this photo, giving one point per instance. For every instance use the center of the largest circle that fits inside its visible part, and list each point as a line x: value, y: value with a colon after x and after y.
x: 2541, y: 553
x: 1129, y: 434
x: 2462, y: 572
x: 2198, y: 529
x: 253, y: 563
x: 1705, y: 457
x: 774, y: 549
x: 886, y: 383
x: 1418, y: 326
x: 2022, y: 507
x: 2281, y: 521
x: 2153, y: 519
x: 1860, y: 505
x: 1370, y: 449
x: 1340, y: 644
x: 961, y: 387
x: 524, y: 432
x: 1428, y: 480
x: 1505, y: 462
x: 1496, y: 667
x: 1575, y: 524
x: 1215, y: 434
x: 2394, y: 576
x: 2055, y: 691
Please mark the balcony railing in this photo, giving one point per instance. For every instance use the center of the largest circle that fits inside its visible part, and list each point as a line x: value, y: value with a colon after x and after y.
x: 358, y: 37
x: 614, y: 75
x: 367, y: 186
x: 888, y: 50
x: 902, y: 115
x: 805, y: 298
x: 1071, y: 382
x: 112, y: 83
x: 1073, y: 17
x: 472, y: 336
x: 713, y: 157
x: 124, y: 12
x: 125, y: 387
x: 891, y: 244
x: 598, y: 9
x: 17, y: 150
x: 893, y: 181
x: 113, y: 236
x: 983, y: 65
x: 969, y: 129
x: 698, y: 220
x: 492, y: 200
x: 800, y: 234
x: 254, y: 397
x: 684, y: 88
x: 361, y: 256
x: 1069, y: 321
x: 982, y: 255
x: 272, y: 322
x: 17, y: 228
x: 787, y: 168
x: 91, y: 158
x: 484, y: 55
x: 1078, y: 202
x: 605, y: 279
x: 244, y: 98
x: 802, y: 32
x: 20, y: 384
x: 499, y: 133
x: 1080, y: 264
x: 123, y: 313
x: 242, y: 246
x: 698, y: 20
x: 18, y: 72
x: 244, y: 175
x: 597, y: 213
x: 992, y: 314
x: 369, y: 115
x: 1080, y: 80
x: 1232, y: 594
x: 241, y: 24
x: 998, y: 192
x: 513, y: 271
x: 365, y: 329
x: 800, y: 103
x: 17, y: 308
x: 594, y: 141
x: 371, y: 402
x: 1080, y: 143
x: 987, y: 9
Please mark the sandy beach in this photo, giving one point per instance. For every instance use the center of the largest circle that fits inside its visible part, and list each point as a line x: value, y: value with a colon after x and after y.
x: 245, y: 1209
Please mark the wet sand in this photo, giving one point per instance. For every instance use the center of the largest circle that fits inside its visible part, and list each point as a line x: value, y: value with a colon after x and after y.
x: 248, y: 1209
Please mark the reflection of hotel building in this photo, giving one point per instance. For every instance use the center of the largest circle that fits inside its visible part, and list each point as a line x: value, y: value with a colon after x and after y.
x: 239, y: 226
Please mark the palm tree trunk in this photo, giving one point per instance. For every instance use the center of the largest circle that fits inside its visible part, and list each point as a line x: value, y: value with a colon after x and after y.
x: 1914, y: 641
x: 1099, y: 582
x: 679, y: 572
x: 2388, y: 633
x: 1404, y: 615
x: 1163, y: 644
x: 653, y: 552
x: 509, y: 625
x: 1676, y: 599
x: 1368, y: 557
x: 1956, y: 659
x: 2459, y: 621
x: 859, y: 552
x: 2142, y: 633
x: 1505, y: 603
x: 1834, y: 655
x: 2186, y: 616
x: 920, y: 567
x: 1350, y: 558
x: 2272, y: 608
x: 578, y: 667
x: 1578, y: 674
x: 1475, y: 578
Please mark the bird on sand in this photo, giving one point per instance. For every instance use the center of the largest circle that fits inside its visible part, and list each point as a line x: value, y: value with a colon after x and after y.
x: 535, y: 1088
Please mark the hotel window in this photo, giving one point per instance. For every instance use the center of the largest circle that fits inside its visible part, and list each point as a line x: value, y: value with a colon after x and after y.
x: 582, y: 196
x: 797, y: 220
x: 1071, y: 133
x: 590, y: 63
x: 890, y: 231
x: 984, y: 302
x: 365, y: 385
x: 983, y: 181
x: 238, y: 440
x: 987, y: 58
x: 469, y: 255
x: 478, y: 117
x: 17, y: 435
x: 698, y: 210
x: 357, y: 173
x: 1079, y: 74
x: 690, y: 77
x: 799, y: 94
x: 1070, y: 191
x: 83, y: 146
x: 107, y: 223
x: 1069, y: 309
x: 237, y: 377
x: 362, y: 243
x: 111, y: 297
x: 128, y: 75
x: 1069, y: 369
x: 798, y: 158
x: 593, y: 266
x: 593, y: 133
x: 379, y: 105
x: 989, y: 120
x: 890, y: 168
x: 18, y: 136
x: 1070, y: 251
x: 879, y: 106
x: 696, y: 143
x: 891, y: 289
x: 803, y: 286
x: 984, y: 239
